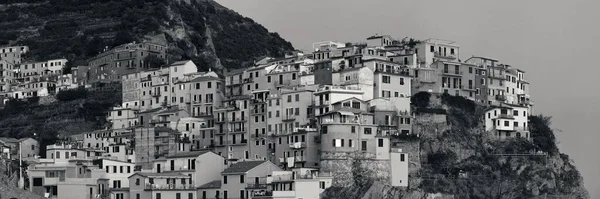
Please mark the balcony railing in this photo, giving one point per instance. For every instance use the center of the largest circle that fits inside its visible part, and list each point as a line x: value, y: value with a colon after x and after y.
x: 236, y: 119
x: 253, y: 185
x: 506, y: 116
x: 258, y: 135
x: 500, y: 97
x: 298, y: 145
x: 238, y: 130
x: 288, y: 118
x: 155, y: 94
x: 169, y: 186
x: 447, y: 56
x: 338, y: 121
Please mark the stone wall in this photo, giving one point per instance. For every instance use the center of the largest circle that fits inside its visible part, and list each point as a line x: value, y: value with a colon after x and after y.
x: 45, y: 100
x: 344, y: 167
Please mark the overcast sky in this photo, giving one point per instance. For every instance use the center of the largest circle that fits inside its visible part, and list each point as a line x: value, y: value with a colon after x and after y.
x: 554, y: 41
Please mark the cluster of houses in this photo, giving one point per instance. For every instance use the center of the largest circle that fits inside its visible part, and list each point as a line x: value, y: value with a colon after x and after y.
x: 261, y: 132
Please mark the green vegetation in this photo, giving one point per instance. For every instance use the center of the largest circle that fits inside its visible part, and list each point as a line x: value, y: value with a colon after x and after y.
x: 80, y: 29
x: 72, y: 94
x: 78, y: 111
x: 420, y: 100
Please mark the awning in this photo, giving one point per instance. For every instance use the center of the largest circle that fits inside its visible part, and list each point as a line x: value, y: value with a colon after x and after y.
x: 346, y: 113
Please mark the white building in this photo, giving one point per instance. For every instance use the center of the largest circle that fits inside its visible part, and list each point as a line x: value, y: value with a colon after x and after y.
x: 507, y: 121
x: 399, y: 173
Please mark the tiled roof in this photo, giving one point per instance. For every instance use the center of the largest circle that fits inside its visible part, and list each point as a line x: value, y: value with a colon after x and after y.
x: 211, y: 185
x: 204, y: 78
x: 177, y: 63
x: 8, y: 140
x: 188, y: 154
x: 244, y: 166
x: 149, y: 175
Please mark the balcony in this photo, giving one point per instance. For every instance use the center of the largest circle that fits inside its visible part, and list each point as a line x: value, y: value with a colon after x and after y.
x: 403, y: 71
x: 300, y: 159
x: 159, y: 121
x: 444, y: 55
x: 333, y: 121
x: 283, y: 83
x: 236, y: 119
x: 253, y: 184
x: 454, y: 73
x: 506, y: 116
x: 288, y: 118
x: 237, y: 130
x: 237, y: 143
x: 298, y: 145
x: 170, y: 187
x: 304, y: 129
x: 501, y: 97
x: 155, y: 94
x: 248, y: 80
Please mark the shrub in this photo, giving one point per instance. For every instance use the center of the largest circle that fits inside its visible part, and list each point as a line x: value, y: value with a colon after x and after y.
x: 458, y: 102
x: 542, y: 135
x: 420, y: 100
x: 72, y: 94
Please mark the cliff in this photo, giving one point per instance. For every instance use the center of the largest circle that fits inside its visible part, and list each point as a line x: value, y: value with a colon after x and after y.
x: 201, y: 30
x: 454, y: 158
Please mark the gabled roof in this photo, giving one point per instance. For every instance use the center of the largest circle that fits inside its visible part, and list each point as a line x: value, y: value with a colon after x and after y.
x: 204, y: 78
x: 188, y: 154
x: 211, y: 185
x: 351, y: 98
x: 179, y: 63
x: 244, y: 166
x: 8, y: 140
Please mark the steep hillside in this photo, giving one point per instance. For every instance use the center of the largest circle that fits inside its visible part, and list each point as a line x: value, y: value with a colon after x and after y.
x: 454, y: 158
x: 202, y: 30
x: 48, y: 118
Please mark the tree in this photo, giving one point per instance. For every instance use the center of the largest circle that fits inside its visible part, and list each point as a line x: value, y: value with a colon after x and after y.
x: 153, y: 61
x: 420, y: 100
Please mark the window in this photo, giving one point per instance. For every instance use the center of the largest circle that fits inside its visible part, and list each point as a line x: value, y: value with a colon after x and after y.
x: 224, y: 179
x: 402, y: 156
x: 157, y: 195
x: 121, y: 169
x: 386, y: 79
x: 380, y: 142
x: 137, y: 181
x: 401, y: 81
x: 506, y: 123
x: 137, y: 196
x: 516, y: 113
x: 353, y: 129
x: 38, y: 182
x: 190, y: 195
x: 322, y: 184
x: 367, y: 131
x: 178, y: 196
x: 224, y: 194
x: 297, y: 97
x: 241, y: 178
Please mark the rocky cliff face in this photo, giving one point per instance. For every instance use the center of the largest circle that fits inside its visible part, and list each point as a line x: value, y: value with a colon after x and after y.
x: 201, y: 30
x: 454, y: 158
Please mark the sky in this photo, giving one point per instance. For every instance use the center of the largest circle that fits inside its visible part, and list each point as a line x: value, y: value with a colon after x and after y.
x: 552, y: 40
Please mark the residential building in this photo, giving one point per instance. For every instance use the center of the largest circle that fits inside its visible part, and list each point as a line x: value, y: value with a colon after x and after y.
x: 111, y: 65
x: 161, y: 185
x: 26, y: 148
x: 399, y: 162
x: 507, y: 121
x: 297, y: 183
x: 326, y: 95
x: 431, y: 50
x: 122, y: 118
x: 72, y: 179
x: 352, y: 129
x: 391, y: 119
x: 152, y: 143
x: 239, y: 180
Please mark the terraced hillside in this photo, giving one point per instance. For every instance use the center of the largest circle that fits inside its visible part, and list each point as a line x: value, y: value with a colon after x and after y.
x: 202, y: 30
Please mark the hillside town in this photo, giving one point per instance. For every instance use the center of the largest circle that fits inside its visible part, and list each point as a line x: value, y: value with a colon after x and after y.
x: 283, y: 128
